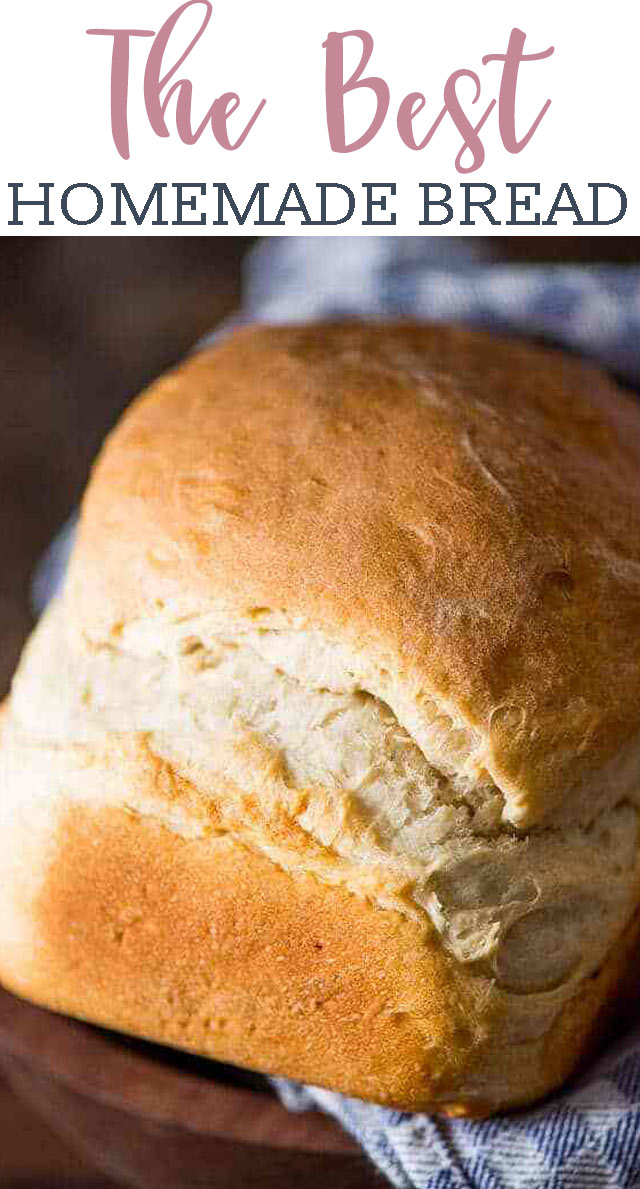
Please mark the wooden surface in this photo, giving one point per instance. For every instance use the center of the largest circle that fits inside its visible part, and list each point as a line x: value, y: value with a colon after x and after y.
x: 32, y: 1156
x: 160, y: 1120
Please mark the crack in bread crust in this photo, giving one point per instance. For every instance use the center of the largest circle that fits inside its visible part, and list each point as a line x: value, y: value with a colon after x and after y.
x: 364, y: 504
x: 306, y: 767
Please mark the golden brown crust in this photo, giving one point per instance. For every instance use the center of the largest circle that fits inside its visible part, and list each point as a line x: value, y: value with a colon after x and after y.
x: 463, y: 510
x: 207, y: 946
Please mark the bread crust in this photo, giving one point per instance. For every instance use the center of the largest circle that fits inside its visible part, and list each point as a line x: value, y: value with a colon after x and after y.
x: 208, y: 947
x: 432, y: 537
x: 463, y: 511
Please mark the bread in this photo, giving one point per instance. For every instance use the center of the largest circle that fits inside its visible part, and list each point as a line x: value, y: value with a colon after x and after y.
x: 327, y: 759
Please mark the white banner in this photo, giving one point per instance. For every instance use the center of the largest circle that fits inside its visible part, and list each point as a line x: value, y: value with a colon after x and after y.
x: 125, y: 117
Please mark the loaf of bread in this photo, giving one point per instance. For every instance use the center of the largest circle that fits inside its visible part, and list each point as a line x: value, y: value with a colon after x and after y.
x: 326, y: 761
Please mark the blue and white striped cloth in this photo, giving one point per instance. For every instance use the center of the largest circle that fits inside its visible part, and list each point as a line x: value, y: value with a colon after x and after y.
x: 587, y: 1137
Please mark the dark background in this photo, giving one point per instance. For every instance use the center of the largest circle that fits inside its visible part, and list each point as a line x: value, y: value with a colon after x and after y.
x: 84, y: 323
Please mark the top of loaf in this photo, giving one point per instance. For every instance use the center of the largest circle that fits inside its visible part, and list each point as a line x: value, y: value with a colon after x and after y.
x: 443, y: 519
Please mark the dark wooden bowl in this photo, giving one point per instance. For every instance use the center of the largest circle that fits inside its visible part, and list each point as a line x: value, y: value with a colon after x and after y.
x: 149, y: 1117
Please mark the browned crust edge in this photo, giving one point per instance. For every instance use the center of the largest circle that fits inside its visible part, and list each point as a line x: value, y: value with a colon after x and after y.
x: 208, y: 947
